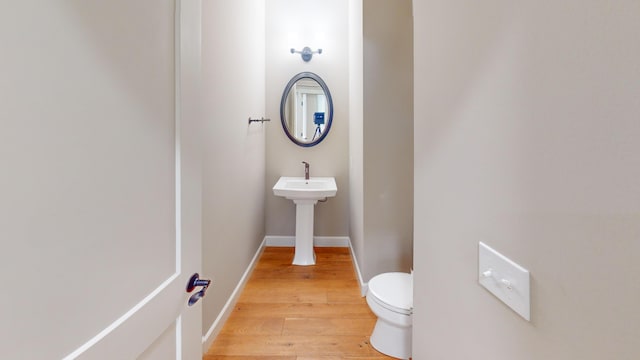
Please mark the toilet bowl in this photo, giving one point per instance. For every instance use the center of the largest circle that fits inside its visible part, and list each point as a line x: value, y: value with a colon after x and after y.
x: 390, y: 297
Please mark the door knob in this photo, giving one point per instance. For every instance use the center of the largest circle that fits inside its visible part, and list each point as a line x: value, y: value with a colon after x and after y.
x: 195, y: 282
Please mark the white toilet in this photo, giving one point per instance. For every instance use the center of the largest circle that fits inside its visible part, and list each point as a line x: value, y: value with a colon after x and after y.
x: 390, y: 297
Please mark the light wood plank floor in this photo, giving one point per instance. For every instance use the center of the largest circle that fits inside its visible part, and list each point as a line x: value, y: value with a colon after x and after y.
x: 288, y: 312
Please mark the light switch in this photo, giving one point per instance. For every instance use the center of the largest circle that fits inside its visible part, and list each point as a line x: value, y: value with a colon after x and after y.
x: 505, y: 279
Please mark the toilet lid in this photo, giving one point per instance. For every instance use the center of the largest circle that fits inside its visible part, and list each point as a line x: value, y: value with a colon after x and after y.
x: 394, y: 289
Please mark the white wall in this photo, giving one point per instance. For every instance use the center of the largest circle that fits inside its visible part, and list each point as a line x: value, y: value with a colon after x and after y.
x: 234, y: 160
x: 526, y: 138
x: 317, y: 24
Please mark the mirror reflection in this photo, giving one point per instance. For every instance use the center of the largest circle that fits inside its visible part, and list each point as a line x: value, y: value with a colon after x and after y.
x: 306, y: 109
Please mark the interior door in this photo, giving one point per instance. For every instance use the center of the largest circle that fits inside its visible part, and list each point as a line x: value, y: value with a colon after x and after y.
x: 99, y: 179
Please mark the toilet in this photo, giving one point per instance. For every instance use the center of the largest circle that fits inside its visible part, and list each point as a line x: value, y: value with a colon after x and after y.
x: 390, y: 297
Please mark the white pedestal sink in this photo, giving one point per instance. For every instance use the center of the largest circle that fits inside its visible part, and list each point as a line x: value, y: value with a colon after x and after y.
x: 305, y: 194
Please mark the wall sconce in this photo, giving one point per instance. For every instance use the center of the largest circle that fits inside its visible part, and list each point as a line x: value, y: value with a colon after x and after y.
x: 306, y: 53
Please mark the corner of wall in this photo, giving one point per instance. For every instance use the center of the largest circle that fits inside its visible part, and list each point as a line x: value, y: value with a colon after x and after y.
x: 364, y: 287
x: 356, y: 135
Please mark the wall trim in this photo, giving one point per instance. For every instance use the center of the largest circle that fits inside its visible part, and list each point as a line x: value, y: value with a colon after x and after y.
x: 319, y: 241
x: 215, y: 328
x: 364, y: 287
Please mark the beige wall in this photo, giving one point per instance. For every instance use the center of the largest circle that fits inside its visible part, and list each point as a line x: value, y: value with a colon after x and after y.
x: 387, y: 137
x: 526, y: 138
x: 356, y: 133
x: 381, y: 135
x: 317, y: 24
x: 234, y: 160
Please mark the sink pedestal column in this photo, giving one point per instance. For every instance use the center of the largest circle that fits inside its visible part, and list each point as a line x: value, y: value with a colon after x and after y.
x: 304, y: 233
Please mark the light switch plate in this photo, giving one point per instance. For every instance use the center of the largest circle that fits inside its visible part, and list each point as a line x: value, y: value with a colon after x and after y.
x: 505, y: 279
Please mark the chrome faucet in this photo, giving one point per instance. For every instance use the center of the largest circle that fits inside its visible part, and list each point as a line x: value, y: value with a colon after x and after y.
x: 306, y: 170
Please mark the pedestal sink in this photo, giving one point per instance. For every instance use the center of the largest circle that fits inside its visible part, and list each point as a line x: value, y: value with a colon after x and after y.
x: 305, y: 194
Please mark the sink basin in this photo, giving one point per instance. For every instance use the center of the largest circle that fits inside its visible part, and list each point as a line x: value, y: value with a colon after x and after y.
x: 297, y: 188
x: 305, y: 194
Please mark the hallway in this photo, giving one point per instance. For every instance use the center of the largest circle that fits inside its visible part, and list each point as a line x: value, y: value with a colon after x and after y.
x: 291, y: 312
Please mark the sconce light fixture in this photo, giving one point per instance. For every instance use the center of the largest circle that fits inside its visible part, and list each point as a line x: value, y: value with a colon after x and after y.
x: 306, y: 53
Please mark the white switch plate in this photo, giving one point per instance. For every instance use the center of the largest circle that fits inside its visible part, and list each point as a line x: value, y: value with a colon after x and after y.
x: 505, y: 279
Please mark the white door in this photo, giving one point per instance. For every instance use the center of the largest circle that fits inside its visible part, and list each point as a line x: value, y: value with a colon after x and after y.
x: 99, y: 179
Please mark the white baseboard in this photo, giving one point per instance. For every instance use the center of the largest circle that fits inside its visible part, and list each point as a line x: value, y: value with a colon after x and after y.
x: 363, y: 285
x: 215, y: 328
x: 319, y: 241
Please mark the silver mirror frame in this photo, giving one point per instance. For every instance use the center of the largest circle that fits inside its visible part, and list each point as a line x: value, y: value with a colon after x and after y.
x: 283, y: 101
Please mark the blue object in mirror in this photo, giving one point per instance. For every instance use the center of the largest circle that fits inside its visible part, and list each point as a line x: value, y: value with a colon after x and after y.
x: 306, y: 109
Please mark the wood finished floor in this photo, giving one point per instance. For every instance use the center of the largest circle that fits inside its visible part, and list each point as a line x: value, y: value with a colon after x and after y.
x: 288, y: 312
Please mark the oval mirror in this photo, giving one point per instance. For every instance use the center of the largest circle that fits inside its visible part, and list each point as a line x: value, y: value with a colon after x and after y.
x: 306, y: 109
